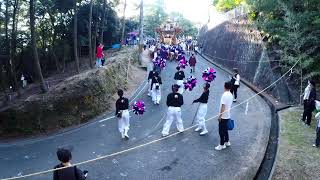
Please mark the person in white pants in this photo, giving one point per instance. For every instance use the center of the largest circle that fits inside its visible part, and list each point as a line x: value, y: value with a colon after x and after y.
x: 150, y: 76
x: 174, y: 103
x: 156, y: 89
x: 122, y: 112
x: 179, y: 76
x: 202, y: 110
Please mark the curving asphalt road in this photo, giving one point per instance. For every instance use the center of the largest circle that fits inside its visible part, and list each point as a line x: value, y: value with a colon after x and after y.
x: 184, y: 156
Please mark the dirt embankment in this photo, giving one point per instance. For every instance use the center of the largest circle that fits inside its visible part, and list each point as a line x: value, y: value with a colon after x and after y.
x: 75, y: 100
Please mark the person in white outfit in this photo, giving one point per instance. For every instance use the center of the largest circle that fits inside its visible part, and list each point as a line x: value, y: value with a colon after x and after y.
x: 24, y: 81
x: 174, y: 103
x: 150, y: 76
x: 122, y: 112
x: 224, y: 116
x: 235, y: 80
x: 156, y: 84
x: 202, y: 110
x: 179, y: 76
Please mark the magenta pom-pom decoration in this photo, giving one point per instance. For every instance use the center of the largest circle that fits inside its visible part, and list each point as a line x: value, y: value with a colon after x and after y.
x: 138, y: 107
x: 190, y: 83
x: 183, y: 63
x: 209, y: 75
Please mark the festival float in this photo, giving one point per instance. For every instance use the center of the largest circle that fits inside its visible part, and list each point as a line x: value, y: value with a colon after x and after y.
x: 169, y: 32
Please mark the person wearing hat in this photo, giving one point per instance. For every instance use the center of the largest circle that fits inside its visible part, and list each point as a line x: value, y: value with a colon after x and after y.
x: 235, y: 80
x: 150, y: 76
x: 192, y: 63
x: 202, y: 110
x: 179, y: 76
x: 122, y: 112
x: 174, y: 103
x: 156, y: 83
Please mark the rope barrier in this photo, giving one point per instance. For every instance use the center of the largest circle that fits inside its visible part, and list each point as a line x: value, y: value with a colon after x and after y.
x: 151, y: 142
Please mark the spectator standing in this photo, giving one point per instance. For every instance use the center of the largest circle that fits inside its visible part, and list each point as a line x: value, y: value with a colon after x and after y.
x: 224, y: 116
x: 69, y: 173
x: 192, y: 63
x: 309, y: 102
x: 235, y: 80
x: 317, y: 143
x: 99, y: 55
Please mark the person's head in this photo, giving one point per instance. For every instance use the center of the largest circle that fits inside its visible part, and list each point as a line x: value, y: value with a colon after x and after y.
x: 312, y: 83
x: 175, y: 88
x: 206, y: 86
x: 192, y: 55
x: 236, y: 70
x: 178, y: 68
x: 120, y: 92
x: 227, y: 86
x: 64, y: 155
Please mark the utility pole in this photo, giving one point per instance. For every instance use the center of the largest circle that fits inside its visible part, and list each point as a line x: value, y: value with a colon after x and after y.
x: 141, y: 40
x: 123, y: 22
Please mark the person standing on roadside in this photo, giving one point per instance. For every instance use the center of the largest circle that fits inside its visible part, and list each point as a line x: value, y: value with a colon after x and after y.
x: 70, y: 172
x: 192, y: 63
x: 99, y: 55
x: 317, y: 143
x: 224, y: 116
x: 122, y: 112
x: 235, y: 80
x: 309, y: 102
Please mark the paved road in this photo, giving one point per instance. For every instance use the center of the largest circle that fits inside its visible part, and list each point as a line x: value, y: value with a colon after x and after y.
x: 184, y: 156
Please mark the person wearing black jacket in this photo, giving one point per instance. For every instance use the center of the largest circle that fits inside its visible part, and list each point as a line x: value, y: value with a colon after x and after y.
x: 70, y: 172
x: 156, y: 84
x: 202, y: 110
x: 174, y: 103
x: 309, y: 104
x: 122, y: 112
x: 179, y: 76
x: 150, y: 76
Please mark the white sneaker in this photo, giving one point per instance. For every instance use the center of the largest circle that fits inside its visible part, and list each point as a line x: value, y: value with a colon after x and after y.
x: 227, y: 144
x: 181, y: 131
x: 149, y: 94
x: 235, y: 100
x: 220, y: 147
x: 203, y: 133
x: 165, y: 135
x: 122, y: 135
x: 314, y: 145
x: 197, y: 129
x: 126, y: 136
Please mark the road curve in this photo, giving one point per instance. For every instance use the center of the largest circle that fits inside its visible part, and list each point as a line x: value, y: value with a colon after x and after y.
x: 184, y: 156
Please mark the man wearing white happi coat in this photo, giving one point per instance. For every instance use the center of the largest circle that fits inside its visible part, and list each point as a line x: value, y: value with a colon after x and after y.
x: 122, y: 112
x: 202, y: 110
x: 179, y: 76
x: 174, y: 103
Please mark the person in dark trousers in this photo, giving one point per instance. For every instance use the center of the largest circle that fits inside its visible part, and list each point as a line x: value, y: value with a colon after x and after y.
x: 317, y: 143
x: 174, y: 103
x: 309, y: 103
x: 192, y: 63
x: 224, y: 116
x: 122, y: 112
x: 69, y: 173
x: 235, y: 80
x: 202, y: 110
x: 179, y: 76
x: 150, y: 76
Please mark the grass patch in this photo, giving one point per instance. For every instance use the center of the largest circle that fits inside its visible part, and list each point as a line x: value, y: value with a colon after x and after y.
x: 297, y: 159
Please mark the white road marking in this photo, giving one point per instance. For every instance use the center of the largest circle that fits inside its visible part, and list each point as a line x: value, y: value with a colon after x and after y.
x: 247, y: 107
